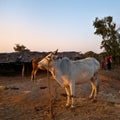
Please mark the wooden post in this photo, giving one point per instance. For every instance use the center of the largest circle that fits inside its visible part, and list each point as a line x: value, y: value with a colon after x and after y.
x: 51, y: 115
x: 23, y: 70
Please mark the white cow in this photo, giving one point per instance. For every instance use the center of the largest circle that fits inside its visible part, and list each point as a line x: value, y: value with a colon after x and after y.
x: 67, y: 73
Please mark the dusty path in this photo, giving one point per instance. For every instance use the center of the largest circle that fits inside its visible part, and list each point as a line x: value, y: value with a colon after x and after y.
x: 25, y: 100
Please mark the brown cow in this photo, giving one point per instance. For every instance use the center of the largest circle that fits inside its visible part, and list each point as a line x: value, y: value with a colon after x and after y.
x: 35, y: 67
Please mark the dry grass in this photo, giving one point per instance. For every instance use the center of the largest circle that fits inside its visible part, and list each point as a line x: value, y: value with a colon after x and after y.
x: 25, y: 100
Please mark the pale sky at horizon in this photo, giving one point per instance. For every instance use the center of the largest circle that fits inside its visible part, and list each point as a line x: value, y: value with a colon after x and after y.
x: 47, y: 25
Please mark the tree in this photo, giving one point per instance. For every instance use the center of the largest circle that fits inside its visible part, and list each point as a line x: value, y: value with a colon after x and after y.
x: 118, y: 39
x: 90, y: 54
x: 110, y: 35
x: 20, y: 48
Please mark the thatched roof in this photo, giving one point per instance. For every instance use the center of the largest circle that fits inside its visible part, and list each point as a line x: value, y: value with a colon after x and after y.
x: 71, y: 55
x: 27, y: 56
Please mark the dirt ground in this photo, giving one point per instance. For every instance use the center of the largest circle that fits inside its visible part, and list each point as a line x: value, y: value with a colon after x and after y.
x: 21, y: 99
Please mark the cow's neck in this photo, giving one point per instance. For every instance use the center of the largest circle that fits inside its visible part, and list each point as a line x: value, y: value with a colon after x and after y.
x: 51, y: 68
x: 54, y: 72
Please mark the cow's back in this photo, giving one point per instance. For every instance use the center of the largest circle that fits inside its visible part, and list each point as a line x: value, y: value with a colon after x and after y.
x: 90, y: 62
x: 85, y: 68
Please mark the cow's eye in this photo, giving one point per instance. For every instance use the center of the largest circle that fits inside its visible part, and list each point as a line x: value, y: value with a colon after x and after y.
x: 55, y: 57
x: 49, y: 57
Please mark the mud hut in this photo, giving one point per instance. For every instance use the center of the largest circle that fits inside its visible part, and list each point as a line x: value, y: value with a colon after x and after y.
x: 17, y: 62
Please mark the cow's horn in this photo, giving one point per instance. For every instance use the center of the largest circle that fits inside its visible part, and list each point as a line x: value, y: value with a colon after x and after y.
x: 56, y: 51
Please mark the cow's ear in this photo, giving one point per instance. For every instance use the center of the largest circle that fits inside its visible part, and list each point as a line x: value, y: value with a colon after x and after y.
x: 55, y: 52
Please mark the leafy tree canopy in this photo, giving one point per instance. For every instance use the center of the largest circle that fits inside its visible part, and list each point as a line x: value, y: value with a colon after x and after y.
x: 20, y: 48
x: 106, y: 28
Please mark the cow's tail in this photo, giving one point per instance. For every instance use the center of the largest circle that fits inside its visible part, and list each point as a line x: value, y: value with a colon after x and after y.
x: 96, y: 65
x: 97, y: 68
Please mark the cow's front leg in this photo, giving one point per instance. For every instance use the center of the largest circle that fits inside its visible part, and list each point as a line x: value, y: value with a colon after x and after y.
x: 33, y: 74
x: 67, y: 89
x: 72, y: 92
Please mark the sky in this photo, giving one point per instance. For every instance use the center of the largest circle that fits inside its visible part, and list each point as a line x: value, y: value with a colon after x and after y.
x: 47, y: 25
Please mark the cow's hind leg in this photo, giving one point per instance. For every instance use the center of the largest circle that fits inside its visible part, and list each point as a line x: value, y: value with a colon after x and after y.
x: 96, y: 83
x: 32, y: 75
x: 95, y: 88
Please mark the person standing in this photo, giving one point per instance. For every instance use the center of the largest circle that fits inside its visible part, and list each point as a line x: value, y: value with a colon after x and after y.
x: 109, y: 61
x: 102, y: 63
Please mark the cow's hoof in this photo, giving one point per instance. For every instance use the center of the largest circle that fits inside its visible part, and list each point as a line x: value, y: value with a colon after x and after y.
x: 67, y: 105
x: 94, y: 100
x: 90, y: 97
x: 72, y: 106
